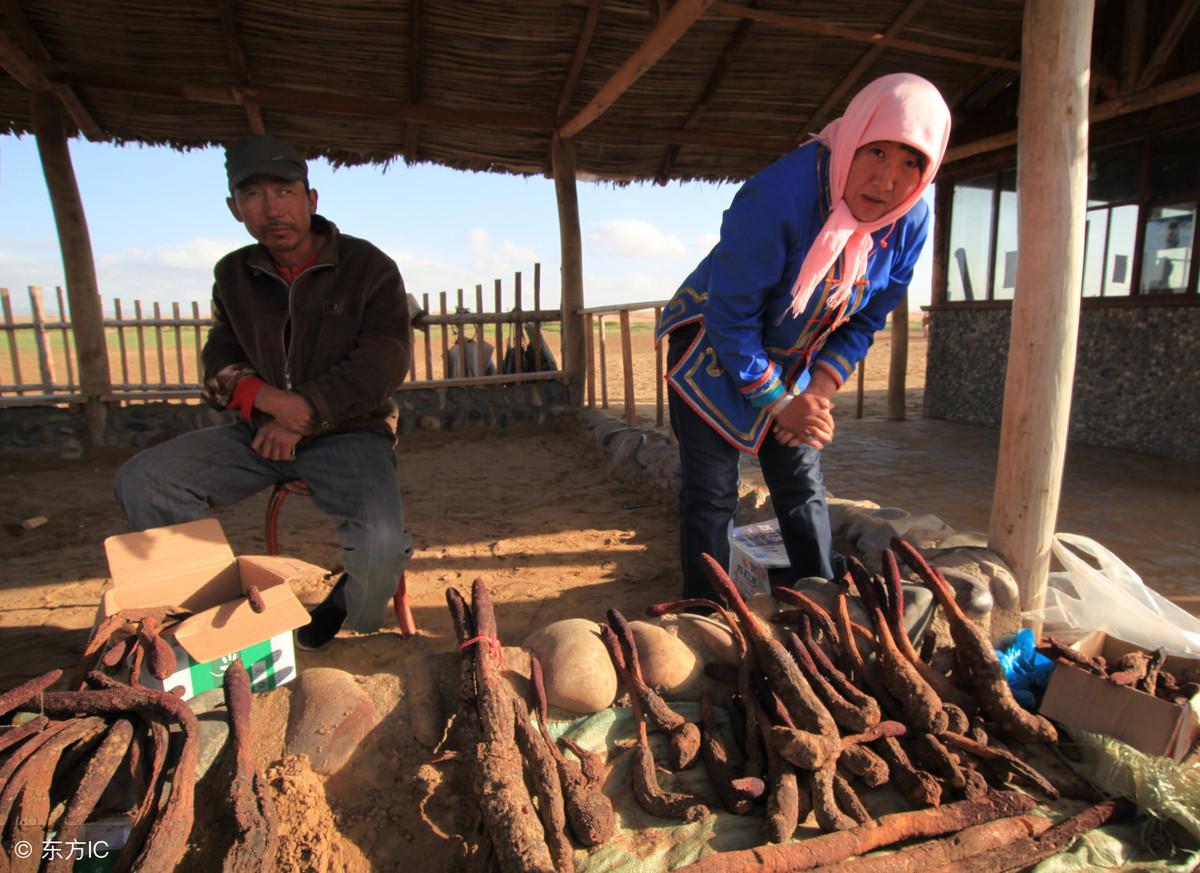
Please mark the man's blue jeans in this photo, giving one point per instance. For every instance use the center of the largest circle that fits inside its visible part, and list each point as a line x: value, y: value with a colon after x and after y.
x: 709, y: 496
x: 350, y: 476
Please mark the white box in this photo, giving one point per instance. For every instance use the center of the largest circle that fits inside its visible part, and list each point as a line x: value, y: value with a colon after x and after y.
x: 755, y: 550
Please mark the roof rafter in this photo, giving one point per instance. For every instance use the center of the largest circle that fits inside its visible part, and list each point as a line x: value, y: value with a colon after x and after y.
x: 1166, y: 45
x: 720, y: 68
x: 671, y: 27
x: 416, y: 82
x: 999, y: 79
x: 33, y: 54
x: 293, y: 99
x: 859, y: 69
x: 233, y: 40
x: 586, y: 32
x: 808, y: 25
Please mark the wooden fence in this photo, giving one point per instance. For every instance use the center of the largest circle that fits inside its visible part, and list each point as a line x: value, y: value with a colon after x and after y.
x: 155, y: 355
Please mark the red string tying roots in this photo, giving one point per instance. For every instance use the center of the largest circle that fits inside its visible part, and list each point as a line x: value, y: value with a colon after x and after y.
x: 493, y: 644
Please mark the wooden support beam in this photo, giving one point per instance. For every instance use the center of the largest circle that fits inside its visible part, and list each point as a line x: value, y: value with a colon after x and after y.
x: 1166, y: 45
x: 574, y: 348
x: 1052, y: 157
x: 1133, y: 45
x: 898, y: 366
x: 669, y: 30
x: 858, y: 70
x: 720, y: 68
x: 586, y: 32
x: 87, y: 316
x: 416, y: 81
x: 233, y: 41
x: 1167, y: 92
x: 808, y: 25
x: 28, y: 57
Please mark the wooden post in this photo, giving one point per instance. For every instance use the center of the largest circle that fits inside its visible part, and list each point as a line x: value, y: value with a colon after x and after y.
x: 199, y: 340
x: 574, y: 354
x: 603, y: 351
x: 65, y: 333
x: 87, y: 316
x: 518, y: 342
x: 11, y: 335
x: 158, y: 344
x: 499, y: 330
x: 862, y: 379
x: 178, y: 342
x: 659, y: 383
x: 537, y: 325
x: 591, y: 360
x: 899, y: 363
x: 627, y: 368
x: 45, y: 361
x: 428, y: 340
x: 445, y: 338
x: 479, y: 362
x: 1052, y: 189
x: 141, y: 340
x: 121, y: 342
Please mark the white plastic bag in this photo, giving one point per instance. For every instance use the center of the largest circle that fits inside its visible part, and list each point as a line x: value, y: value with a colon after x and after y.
x: 1104, y: 593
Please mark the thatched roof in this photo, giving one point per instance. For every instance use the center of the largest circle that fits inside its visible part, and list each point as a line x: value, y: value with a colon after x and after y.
x: 483, y: 84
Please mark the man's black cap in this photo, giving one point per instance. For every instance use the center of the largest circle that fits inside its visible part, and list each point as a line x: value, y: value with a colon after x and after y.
x: 263, y: 155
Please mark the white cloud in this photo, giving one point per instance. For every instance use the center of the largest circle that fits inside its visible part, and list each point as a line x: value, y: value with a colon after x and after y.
x: 180, y: 272
x: 635, y: 238
x: 705, y: 242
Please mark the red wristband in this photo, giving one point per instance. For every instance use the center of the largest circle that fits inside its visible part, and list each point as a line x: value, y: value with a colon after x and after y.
x: 244, y: 393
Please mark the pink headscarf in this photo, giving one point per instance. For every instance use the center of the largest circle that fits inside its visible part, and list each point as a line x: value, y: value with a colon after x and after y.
x: 901, y: 108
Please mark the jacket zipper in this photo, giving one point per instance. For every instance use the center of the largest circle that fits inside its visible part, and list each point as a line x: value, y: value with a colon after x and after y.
x: 283, y: 339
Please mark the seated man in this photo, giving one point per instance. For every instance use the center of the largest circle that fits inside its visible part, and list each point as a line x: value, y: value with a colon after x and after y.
x: 309, y: 342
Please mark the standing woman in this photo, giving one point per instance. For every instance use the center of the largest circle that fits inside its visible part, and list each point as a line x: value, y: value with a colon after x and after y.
x: 815, y: 251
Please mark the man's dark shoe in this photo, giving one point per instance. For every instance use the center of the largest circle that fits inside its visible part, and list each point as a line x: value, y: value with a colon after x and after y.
x: 327, y: 618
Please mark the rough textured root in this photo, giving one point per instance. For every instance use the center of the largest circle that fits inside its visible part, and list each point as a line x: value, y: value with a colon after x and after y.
x: 543, y: 773
x: 865, y: 764
x: 648, y: 793
x: 16, y: 761
x: 255, y: 833
x: 849, y: 646
x: 168, y: 834
x: 889, y: 829
x: 499, y: 778
x: 958, y: 722
x: 1149, y: 684
x: 931, y: 854
x: 717, y: 762
x: 117, y: 652
x: 592, y: 763
x: 16, y: 735
x: 804, y: 749
x: 1022, y: 853
x: 811, y: 608
x: 824, y: 802
x: 1058, y: 650
x: 27, y: 691
x: 96, y: 776
x: 464, y: 729
x: 158, y: 737
x: 589, y: 811
x: 919, y: 786
x: 980, y: 668
x: 1004, y: 761
x: 977, y: 785
x: 783, y: 800
x: 781, y: 670
x: 883, y: 729
x: 847, y: 715
x: 848, y: 800
x: 928, y: 751
x: 256, y: 599
x: 867, y: 704
x: 160, y: 657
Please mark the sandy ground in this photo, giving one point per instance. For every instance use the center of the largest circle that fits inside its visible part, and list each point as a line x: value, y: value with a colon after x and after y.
x: 537, y: 514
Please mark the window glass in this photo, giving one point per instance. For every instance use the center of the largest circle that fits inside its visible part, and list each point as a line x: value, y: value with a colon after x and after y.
x: 970, y: 232
x: 1174, y: 170
x: 1006, y: 238
x: 1167, y: 254
x: 1093, y: 252
x: 1114, y: 174
x: 1122, y: 238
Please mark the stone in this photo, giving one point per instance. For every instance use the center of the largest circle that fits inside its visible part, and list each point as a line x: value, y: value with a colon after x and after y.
x: 34, y: 522
x: 72, y: 449
x: 624, y: 447
x: 980, y: 578
x: 209, y: 707
x: 429, y: 422
x: 754, y: 504
x: 667, y: 664
x: 578, y: 672
x: 709, y: 638
x: 843, y: 512
x: 330, y: 716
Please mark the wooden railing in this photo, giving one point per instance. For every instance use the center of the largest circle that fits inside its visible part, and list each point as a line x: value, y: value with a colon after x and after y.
x: 156, y: 356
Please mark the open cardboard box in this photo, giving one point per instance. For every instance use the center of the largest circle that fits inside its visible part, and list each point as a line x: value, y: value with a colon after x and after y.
x: 192, y: 566
x: 1090, y: 702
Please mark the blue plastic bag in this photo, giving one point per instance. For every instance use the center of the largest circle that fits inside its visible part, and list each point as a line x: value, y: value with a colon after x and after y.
x: 1027, y: 672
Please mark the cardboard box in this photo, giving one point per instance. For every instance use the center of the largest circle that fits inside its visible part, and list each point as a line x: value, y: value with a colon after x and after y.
x: 192, y: 566
x: 1147, y: 723
x: 754, y: 551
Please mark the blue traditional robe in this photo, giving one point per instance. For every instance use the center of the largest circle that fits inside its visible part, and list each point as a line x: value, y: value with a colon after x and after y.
x: 750, y: 350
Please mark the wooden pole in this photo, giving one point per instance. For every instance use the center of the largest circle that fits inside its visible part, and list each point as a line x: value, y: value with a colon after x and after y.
x: 518, y: 328
x: 899, y: 363
x: 11, y: 335
x: 537, y: 325
x: 87, y: 316
x: 428, y: 339
x: 479, y: 362
x: 121, y: 341
x: 602, y: 351
x: 659, y: 383
x: 574, y: 354
x: 445, y: 338
x: 177, y: 317
x: 496, y: 293
x: 42, y: 339
x: 591, y: 360
x: 627, y: 368
x: 65, y: 333
x: 1052, y: 190
x: 141, y: 339
x: 862, y: 378
x: 158, y: 343
x: 198, y: 341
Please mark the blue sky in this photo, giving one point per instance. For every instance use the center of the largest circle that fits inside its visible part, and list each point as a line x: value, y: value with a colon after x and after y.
x: 158, y: 223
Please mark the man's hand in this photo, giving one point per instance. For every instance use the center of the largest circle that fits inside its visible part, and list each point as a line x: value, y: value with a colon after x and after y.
x: 806, y: 420
x: 287, y: 407
x: 275, y: 442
